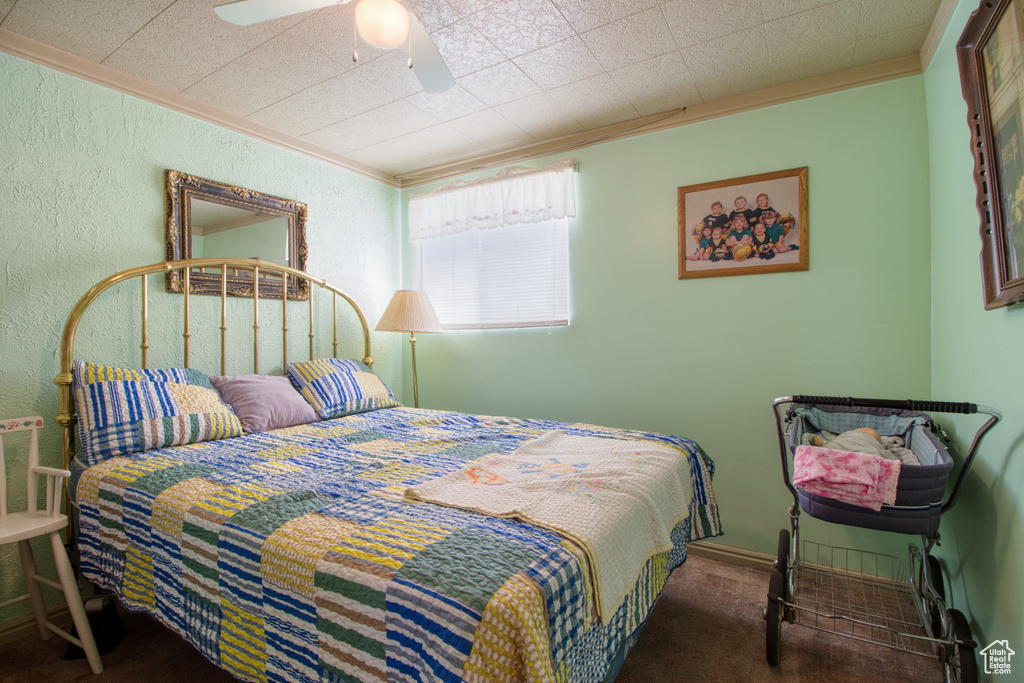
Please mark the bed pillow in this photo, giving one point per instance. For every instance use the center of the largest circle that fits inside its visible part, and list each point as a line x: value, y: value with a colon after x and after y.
x: 337, y: 387
x: 264, y: 402
x: 122, y: 411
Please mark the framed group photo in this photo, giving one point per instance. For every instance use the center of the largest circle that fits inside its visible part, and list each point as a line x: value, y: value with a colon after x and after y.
x: 744, y: 226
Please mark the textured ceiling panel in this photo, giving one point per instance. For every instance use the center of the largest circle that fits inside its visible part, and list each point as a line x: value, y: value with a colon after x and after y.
x: 499, y: 84
x: 584, y: 15
x: 883, y: 16
x: 164, y: 51
x: 560, y: 63
x: 634, y: 39
x: 519, y: 26
x: 273, y: 71
x: 698, y: 21
x: 527, y: 71
x: 731, y: 65
x: 890, y: 45
x: 656, y: 85
x: 88, y: 28
x: 492, y: 130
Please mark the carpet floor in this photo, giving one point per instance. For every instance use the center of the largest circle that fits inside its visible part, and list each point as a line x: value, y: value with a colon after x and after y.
x: 706, y: 627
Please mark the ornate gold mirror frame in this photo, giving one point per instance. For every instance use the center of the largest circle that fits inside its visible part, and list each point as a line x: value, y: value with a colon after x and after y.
x: 182, y: 234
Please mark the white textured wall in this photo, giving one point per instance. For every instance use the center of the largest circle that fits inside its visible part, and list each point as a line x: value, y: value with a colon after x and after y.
x: 82, y: 197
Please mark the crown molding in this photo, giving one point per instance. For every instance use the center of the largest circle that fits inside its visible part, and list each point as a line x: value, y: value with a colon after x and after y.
x: 82, y: 68
x: 812, y: 87
x: 938, y: 28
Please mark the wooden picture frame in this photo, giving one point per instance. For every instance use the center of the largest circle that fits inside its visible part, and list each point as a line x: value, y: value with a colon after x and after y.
x: 781, y: 245
x: 185, y: 192
x: 990, y: 62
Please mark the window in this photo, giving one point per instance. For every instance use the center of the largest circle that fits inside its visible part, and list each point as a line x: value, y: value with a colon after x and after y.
x: 495, y: 253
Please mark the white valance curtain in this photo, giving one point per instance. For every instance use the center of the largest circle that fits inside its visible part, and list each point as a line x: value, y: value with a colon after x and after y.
x: 513, y: 195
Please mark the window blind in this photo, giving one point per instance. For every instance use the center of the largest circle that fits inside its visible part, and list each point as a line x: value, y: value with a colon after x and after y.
x: 494, y: 252
x: 512, y: 276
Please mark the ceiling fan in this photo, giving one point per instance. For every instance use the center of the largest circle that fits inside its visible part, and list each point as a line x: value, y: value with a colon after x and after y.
x: 382, y: 23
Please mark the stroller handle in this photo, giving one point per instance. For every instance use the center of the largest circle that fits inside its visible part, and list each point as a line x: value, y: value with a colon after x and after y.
x: 906, y: 404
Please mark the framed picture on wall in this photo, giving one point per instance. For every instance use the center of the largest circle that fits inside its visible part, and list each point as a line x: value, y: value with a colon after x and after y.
x: 744, y: 226
x: 992, y: 80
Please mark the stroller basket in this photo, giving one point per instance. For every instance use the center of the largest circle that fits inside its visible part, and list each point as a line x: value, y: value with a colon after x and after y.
x: 920, y: 488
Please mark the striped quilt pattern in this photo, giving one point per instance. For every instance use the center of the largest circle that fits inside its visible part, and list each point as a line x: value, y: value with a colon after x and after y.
x: 292, y: 556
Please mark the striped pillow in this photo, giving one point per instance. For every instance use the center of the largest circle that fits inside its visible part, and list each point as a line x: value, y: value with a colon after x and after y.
x: 336, y: 387
x: 123, y: 411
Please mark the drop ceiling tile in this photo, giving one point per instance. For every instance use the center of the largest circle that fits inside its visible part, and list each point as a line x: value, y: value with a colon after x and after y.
x: 333, y: 138
x: 776, y: 9
x: 383, y: 123
x: 594, y: 102
x: 448, y: 105
x: 323, y: 104
x: 330, y: 31
x: 519, y: 26
x: 819, y: 41
x: 391, y: 72
x: 275, y: 70
x: 883, y: 17
x: 465, y: 49
x: 435, y: 14
x: 633, y: 39
x: 559, y: 64
x: 584, y: 15
x: 540, y: 116
x: 468, y: 7
x: 659, y: 84
x: 5, y: 7
x: 428, y: 147
x: 499, y: 84
x: 907, y: 41
x: 698, y: 21
x: 187, y: 42
x: 492, y: 130
x: 90, y: 28
x: 730, y: 65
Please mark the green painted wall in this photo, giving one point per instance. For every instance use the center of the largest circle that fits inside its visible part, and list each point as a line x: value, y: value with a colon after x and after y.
x: 705, y: 358
x: 976, y: 357
x: 82, y: 197
x: 267, y: 241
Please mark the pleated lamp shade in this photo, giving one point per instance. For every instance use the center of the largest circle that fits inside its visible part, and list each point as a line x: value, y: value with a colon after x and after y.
x: 409, y: 311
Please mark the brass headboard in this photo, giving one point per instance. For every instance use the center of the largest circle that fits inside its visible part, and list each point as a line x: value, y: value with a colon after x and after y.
x: 67, y: 417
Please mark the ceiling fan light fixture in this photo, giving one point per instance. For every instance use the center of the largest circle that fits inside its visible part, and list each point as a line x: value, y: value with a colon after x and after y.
x: 382, y: 23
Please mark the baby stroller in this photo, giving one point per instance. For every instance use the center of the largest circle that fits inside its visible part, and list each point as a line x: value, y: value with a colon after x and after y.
x: 858, y: 594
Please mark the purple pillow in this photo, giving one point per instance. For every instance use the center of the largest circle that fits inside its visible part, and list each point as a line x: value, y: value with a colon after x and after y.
x: 264, y: 402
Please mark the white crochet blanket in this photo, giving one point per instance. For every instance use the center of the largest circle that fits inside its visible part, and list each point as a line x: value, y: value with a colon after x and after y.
x: 616, y: 499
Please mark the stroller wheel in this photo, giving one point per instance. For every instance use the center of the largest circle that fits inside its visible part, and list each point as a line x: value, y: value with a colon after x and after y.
x: 782, y: 558
x: 939, y: 586
x: 773, y: 618
x: 960, y: 666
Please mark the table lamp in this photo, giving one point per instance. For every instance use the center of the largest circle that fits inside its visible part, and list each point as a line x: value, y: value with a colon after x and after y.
x: 410, y: 311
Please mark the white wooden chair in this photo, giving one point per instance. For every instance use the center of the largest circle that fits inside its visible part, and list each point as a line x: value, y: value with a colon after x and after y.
x: 20, y: 527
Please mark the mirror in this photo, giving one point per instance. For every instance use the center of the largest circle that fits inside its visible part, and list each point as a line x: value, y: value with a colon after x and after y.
x: 209, y: 219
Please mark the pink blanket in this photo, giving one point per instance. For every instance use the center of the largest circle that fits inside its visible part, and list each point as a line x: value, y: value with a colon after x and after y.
x: 861, y: 479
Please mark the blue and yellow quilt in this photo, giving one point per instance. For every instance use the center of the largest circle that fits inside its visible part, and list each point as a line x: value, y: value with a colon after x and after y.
x: 292, y: 555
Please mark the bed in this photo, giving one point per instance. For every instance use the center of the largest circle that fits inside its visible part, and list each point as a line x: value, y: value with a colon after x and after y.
x: 314, y: 552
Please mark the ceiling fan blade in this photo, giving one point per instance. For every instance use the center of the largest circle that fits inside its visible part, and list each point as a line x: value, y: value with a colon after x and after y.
x: 427, y: 63
x: 246, y: 12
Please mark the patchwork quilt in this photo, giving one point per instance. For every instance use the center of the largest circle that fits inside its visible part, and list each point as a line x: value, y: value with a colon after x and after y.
x: 293, y: 555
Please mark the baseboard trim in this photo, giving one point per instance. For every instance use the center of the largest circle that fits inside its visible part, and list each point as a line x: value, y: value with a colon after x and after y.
x: 731, y: 555
x: 16, y: 629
